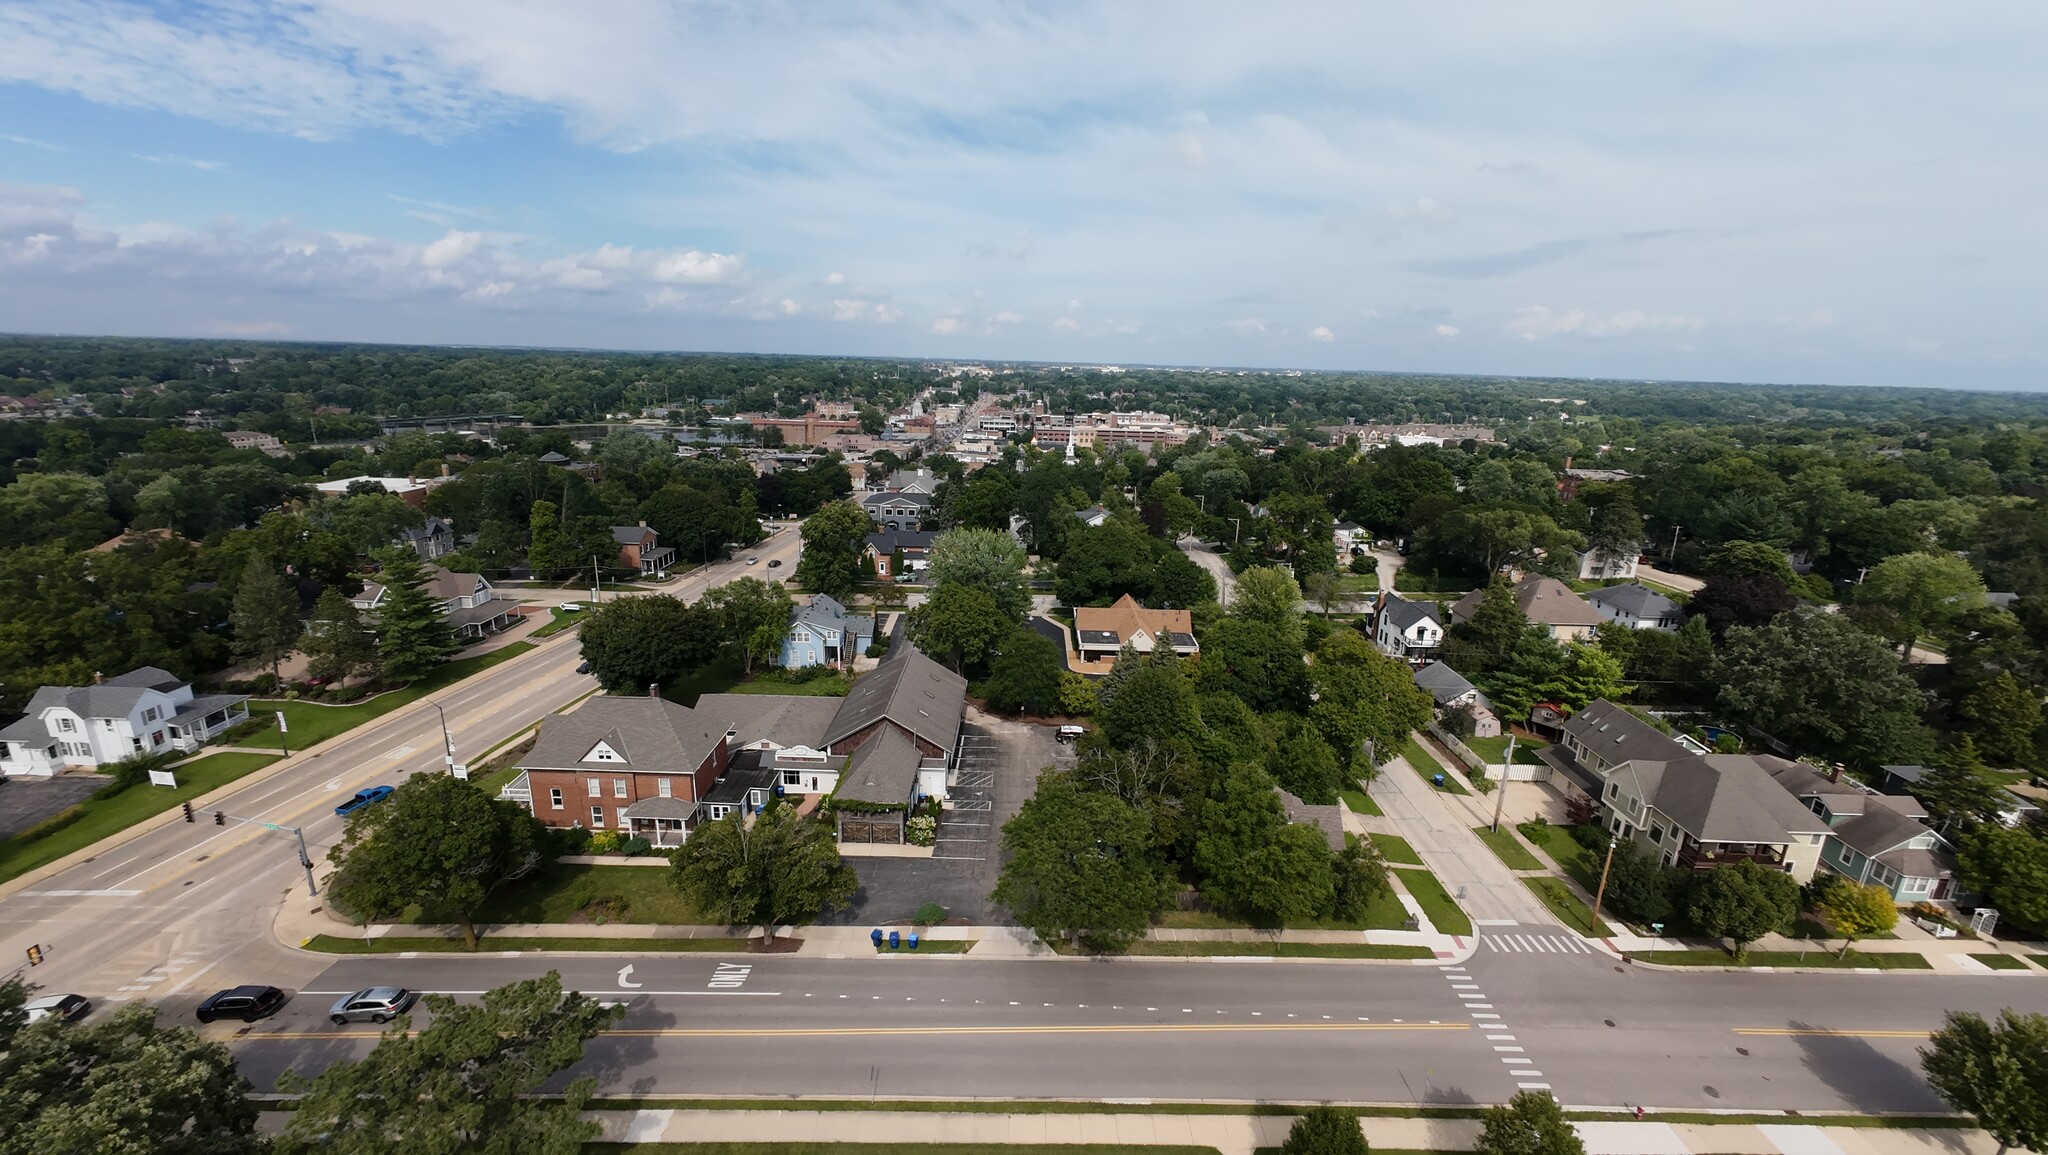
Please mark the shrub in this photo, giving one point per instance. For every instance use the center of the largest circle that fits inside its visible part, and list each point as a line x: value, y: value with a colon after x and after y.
x: 605, y: 842
x: 1591, y: 836
x: 1537, y: 832
x: 561, y: 842
x: 51, y: 825
x: 1364, y: 564
x: 604, y: 908
x: 921, y: 830
x: 877, y: 650
x: 930, y: 914
x: 635, y: 846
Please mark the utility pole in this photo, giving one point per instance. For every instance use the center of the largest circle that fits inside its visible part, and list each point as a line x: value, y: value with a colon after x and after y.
x: 596, y: 582
x: 1672, y: 554
x: 1601, y: 893
x: 448, y: 746
x: 1500, y: 798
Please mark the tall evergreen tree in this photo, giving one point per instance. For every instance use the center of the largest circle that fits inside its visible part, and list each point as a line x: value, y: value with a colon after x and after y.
x: 265, y: 617
x: 338, y: 645
x: 413, y: 635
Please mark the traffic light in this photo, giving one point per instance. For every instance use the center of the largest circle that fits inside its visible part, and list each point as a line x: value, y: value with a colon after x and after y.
x: 188, y: 811
x: 35, y: 956
x: 220, y: 818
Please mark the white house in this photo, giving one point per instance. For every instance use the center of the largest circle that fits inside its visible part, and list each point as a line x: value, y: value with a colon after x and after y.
x: 140, y: 712
x: 1407, y: 630
x: 897, y: 510
x: 469, y: 602
x: 1352, y: 539
x: 1637, y: 606
x: 1597, y: 565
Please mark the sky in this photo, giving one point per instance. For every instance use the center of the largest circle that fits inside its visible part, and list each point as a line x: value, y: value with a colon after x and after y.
x: 1813, y: 192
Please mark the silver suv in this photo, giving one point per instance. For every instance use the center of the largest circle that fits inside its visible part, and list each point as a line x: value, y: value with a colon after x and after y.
x: 373, y: 1004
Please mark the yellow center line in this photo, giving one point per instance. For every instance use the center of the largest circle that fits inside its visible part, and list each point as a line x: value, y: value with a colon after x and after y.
x: 870, y: 1032
x: 1827, y: 1032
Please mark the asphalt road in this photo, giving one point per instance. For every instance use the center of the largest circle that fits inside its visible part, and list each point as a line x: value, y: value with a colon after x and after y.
x: 1594, y: 1033
x: 191, y: 907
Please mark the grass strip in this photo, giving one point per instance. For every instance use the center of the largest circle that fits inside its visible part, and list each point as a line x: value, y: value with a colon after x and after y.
x: 400, y: 944
x: 105, y: 817
x: 890, y: 1148
x: 1396, y: 849
x: 1426, y: 765
x: 312, y: 723
x: 1157, y: 947
x: 1819, y: 959
x: 1508, y: 848
x: 1436, y: 902
x: 2041, y: 960
x: 2000, y: 962
x: 933, y: 946
x: 558, y: 621
x: 576, y: 893
x: 1567, y: 907
x: 1361, y: 803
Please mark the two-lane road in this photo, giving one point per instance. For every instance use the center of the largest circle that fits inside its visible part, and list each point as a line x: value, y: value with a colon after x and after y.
x: 1450, y: 1033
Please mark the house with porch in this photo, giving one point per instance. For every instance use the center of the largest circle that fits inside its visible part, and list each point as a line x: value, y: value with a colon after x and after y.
x: 144, y: 711
x: 472, y: 606
x: 822, y: 633
x: 641, y: 551
x: 1410, y: 631
x: 638, y: 765
x: 1105, y: 630
x: 431, y: 539
x: 1875, y: 838
x: 1637, y: 606
x: 1352, y: 539
x: 1546, y: 602
x: 893, y: 553
x: 878, y: 790
x: 1592, y: 742
x: 1452, y: 691
x: 1701, y: 811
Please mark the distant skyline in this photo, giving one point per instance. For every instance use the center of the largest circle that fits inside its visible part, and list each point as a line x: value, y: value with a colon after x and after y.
x: 1831, y: 193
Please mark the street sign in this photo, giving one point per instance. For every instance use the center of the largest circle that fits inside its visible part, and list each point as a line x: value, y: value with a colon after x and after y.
x: 461, y: 771
x: 281, y: 727
x: 35, y: 956
x: 163, y: 778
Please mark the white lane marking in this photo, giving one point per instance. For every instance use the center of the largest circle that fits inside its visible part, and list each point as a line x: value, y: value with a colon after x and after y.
x: 1512, y: 1061
x: 1486, y: 1006
x: 1500, y: 1038
x: 80, y: 893
x: 1533, y: 1086
x: 116, y: 866
x: 194, y: 977
x: 1515, y: 1049
x: 1474, y: 1016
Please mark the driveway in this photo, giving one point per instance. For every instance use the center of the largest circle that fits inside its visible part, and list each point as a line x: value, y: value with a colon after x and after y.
x: 1439, y: 826
x: 1207, y: 557
x: 25, y: 801
x: 998, y: 765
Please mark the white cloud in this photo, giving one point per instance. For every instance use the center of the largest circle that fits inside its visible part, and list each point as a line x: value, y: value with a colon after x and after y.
x: 186, y: 161
x: 947, y: 326
x: 32, y: 142
x: 1446, y: 330
x: 1321, y: 333
x: 1007, y: 317
x: 789, y: 308
x: 1066, y: 323
x: 456, y: 246
x: 1536, y: 322
x: 835, y: 278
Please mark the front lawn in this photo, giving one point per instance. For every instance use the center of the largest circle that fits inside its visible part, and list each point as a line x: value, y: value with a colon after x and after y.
x: 1426, y: 765
x: 1573, y: 859
x: 1395, y: 849
x: 930, y: 946
x: 1567, y: 906
x: 558, y: 620
x: 1787, y: 958
x: 2000, y: 962
x: 312, y: 724
x: 1385, y: 912
x: 1495, y: 750
x: 567, y: 893
x: 1278, y: 950
x: 1360, y: 802
x: 1436, y: 902
x: 413, y: 944
x: 1508, y: 848
x: 109, y: 816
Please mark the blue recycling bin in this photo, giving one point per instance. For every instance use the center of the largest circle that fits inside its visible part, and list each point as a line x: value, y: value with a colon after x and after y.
x: 876, y: 935
x: 1438, y: 779
x: 895, y: 940
x: 913, y: 940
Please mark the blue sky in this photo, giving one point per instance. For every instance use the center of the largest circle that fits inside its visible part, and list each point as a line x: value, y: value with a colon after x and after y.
x: 1831, y: 192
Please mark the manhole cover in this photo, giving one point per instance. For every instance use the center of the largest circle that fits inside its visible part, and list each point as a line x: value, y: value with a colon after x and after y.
x: 1711, y: 1092
x: 1609, y: 1022
x: 1743, y: 1051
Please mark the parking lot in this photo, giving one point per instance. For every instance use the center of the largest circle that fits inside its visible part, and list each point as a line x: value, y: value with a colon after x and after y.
x: 997, y: 766
x: 25, y: 801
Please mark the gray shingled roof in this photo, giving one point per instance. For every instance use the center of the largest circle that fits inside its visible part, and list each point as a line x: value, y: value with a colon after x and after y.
x: 1723, y: 798
x: 1635, y: 598
x: 148, y: 677
x: 651, y: 734
x: 890, y: 540
x: 1879, y: 830
x: 882, y: 772
x: 1328, y: 819
x: 784, y: 719
x: 630, y: 534
x: 1619, y: 736
x: 1406, y: 614
x: 910, y: 690
x: 1443, y: 683
x: 825, y: 615
x: 676, y: 808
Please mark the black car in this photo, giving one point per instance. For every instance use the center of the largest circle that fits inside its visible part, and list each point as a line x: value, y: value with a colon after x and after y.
x: 245, y: 1003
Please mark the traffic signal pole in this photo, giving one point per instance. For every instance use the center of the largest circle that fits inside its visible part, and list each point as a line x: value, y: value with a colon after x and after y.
x: 221, y: 818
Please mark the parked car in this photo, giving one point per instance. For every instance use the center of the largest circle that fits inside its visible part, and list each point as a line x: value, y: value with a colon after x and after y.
x: 372, y: 1004
x: 1070, y: 733
x: 66, y: 1007
x: 905, y: 578
x: 364, y: 798
x: 752, y: 560
x: 245, y: 1003
x: 774, y: 562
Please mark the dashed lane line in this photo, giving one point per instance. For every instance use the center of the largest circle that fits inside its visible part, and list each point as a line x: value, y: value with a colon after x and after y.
x: 919, y: 1032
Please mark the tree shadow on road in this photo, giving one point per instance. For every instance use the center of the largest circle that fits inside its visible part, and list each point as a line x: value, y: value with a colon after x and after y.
x: 612, y: 1058
x: 1870, y: 1080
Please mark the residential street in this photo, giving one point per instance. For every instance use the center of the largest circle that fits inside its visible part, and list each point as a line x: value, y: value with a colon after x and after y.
x: 1209, y: 559
x: 1439, y: 826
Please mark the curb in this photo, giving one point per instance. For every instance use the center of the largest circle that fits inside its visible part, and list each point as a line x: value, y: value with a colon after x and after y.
x: 215, y: 797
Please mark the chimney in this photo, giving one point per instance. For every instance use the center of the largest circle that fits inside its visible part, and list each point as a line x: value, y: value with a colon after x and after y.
x: 1567, y: 462
x: 643, y: 525
x: 444, y: 469
x: 98, y: 677
x: 654, y: 689
x: 1835, y: 773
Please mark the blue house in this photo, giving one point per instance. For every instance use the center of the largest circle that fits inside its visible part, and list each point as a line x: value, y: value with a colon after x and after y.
x: 824, y: 634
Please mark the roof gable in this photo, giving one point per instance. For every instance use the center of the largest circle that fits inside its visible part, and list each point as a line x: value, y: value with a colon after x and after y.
x: 910, y: 690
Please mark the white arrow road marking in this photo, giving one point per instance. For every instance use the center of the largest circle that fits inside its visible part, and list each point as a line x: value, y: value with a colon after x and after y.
x: 623, y: 972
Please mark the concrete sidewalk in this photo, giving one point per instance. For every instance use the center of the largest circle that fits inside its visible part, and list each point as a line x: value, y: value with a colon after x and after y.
x: 1243, y: 1134
x: 1440, y: 830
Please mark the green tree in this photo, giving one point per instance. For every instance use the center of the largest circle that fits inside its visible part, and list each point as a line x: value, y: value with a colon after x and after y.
x: 1305, y: 766
x: 784, y: 870
x: 959, y: 621
x: 1638, y: 886
x: 1180, y: 583
x: 2009, y: 866
x: 550, y: 553
x: 67, y: 507
x: 1855, y: 912
x: 1996, y: 1073
x: 1743, y: 902
x: 989, y: 560
x: 1817, y: 682
x: 265, y: 617
x: 1252, y: 862
x: 338, y: 645
x: 637, y: 642
x: 438, y: 843
x: 1531, y: 1123
x: 369, y: 521
x: 1616, y: 533
x: 1363, y: 696
x: 1025, y: 676
x: 467, y: 1082
x: 2004, y: 717
x: 1325, y: 1131
x: 1926, y: 591
x: 1483, y: 642
x: 120, y: 1085
x: 1269, y: 595
x: 1748, y: 559
x: 1102, y: 563
x: 413, y: 636
x: 755, y: 618
x: 1957, y: 790
x: 831, y: 556
x: 1081, y: 864
x: 1152, y: 700
x: 1357, y: 877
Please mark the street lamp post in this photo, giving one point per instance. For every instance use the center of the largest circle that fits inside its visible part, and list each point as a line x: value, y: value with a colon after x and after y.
x: 448, y: 745
x: 1601, y: 893
x: 1501, y: 795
